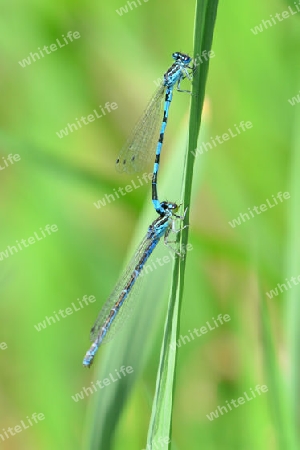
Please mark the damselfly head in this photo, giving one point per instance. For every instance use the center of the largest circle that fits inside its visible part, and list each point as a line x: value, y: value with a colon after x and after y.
x: 182, y: 57
x: 169, y: 207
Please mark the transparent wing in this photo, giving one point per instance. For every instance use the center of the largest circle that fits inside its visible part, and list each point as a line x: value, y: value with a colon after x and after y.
x: 141, y: 144
x: 129, y: 278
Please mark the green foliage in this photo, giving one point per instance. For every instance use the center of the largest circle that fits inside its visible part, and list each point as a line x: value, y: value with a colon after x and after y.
x: 228, y: 271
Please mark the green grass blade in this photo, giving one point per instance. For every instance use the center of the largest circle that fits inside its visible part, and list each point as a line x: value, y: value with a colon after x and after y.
x: 293, y: 268
x: 161, y: 418
x: 160, y: 423
x: 278, y: 401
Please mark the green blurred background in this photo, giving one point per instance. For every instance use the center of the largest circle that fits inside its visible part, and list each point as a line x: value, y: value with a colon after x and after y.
x: 57, y: 181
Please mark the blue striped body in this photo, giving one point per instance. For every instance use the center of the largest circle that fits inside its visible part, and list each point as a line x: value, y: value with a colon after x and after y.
x: 138, y: 149
x: 173, y: 76
x: 123, y: 292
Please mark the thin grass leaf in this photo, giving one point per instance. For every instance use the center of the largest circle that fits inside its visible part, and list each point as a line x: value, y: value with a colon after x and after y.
x: 161, y: 417
x: 293, y: 267
x: 278, y: 400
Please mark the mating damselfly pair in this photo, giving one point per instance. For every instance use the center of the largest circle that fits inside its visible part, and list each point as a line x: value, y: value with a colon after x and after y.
x: 133, y: 157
